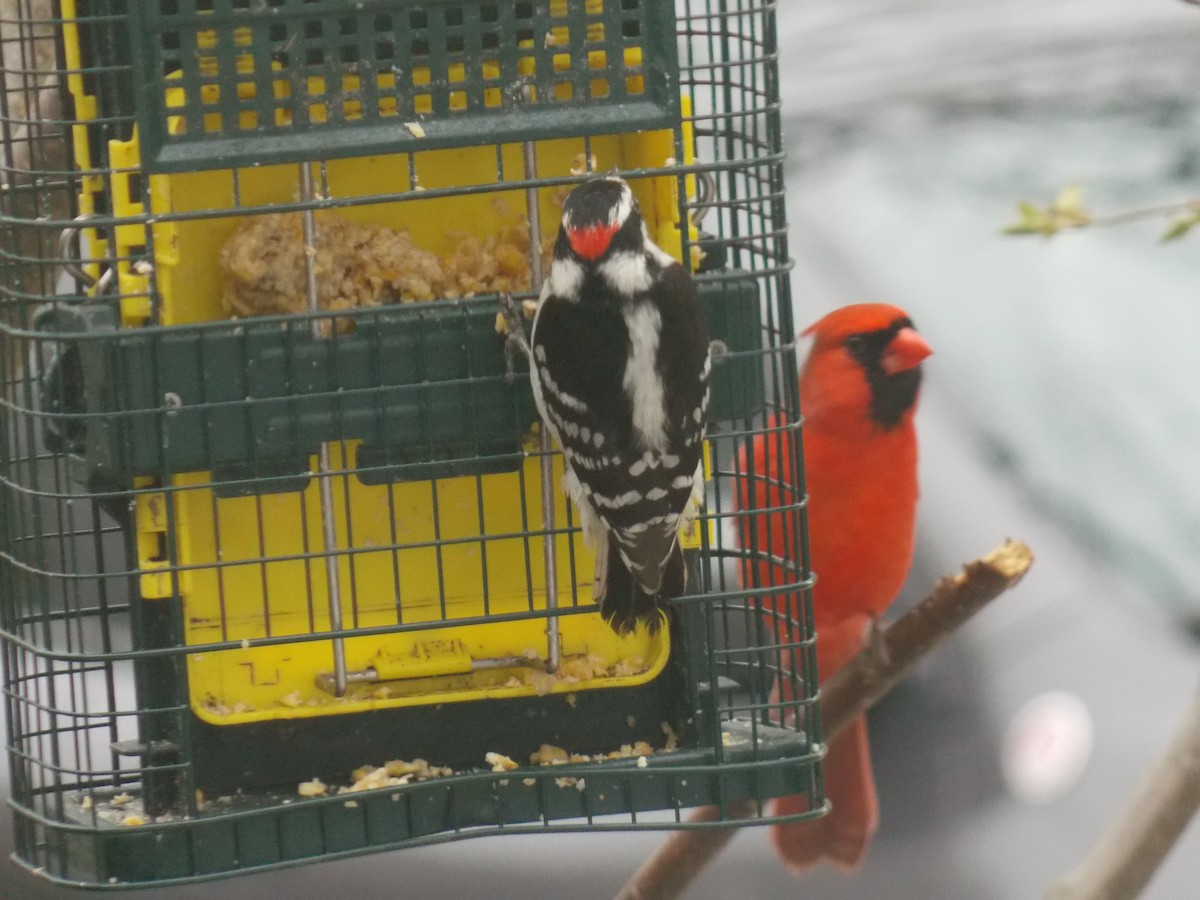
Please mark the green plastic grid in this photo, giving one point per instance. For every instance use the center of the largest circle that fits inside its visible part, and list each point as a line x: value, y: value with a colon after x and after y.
x: 208, y: 398
x: 231, y: 82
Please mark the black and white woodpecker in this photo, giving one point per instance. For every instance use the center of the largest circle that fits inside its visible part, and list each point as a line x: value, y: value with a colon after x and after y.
x: 620, y: 369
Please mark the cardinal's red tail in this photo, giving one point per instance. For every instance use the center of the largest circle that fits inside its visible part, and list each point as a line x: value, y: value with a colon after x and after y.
x: 844, y: 833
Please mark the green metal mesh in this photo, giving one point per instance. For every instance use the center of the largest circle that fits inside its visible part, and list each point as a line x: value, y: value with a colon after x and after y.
x: 98, y: 418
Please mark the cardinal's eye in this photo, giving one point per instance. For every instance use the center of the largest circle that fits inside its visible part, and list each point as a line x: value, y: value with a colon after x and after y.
x: 855, y: 344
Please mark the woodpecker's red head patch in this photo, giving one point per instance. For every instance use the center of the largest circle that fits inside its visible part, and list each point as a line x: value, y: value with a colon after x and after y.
x: 591, y: 241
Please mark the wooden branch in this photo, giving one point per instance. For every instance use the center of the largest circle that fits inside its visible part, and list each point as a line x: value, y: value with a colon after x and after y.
x: 873, y: 673
x: 847, y: 694
x: 1139, y: 838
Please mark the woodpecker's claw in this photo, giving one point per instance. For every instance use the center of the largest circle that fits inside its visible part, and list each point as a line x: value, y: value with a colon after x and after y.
x: 514, y: 331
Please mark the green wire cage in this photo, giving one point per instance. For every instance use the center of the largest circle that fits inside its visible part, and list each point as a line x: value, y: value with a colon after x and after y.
x: 286, y: 571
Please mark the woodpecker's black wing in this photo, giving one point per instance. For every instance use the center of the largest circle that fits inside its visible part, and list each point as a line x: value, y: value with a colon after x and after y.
x: 578, y: 357
x: 683, y: 358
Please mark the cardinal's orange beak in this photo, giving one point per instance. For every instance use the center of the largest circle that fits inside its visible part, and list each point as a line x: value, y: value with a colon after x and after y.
x: 905, y: 351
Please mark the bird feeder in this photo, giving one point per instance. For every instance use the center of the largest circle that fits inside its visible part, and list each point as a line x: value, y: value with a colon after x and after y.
x: 286, y: 570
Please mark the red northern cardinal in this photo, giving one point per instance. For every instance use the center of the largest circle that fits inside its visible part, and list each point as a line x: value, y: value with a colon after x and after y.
x: 858, y: 394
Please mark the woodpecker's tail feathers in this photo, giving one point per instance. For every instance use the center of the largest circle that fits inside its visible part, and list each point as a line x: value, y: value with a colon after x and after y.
x: 623, y: 602
x: 674, y: 577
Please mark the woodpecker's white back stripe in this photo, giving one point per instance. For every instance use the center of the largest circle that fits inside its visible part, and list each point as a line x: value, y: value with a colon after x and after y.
x: 627, y: 272
x: 642, y: 382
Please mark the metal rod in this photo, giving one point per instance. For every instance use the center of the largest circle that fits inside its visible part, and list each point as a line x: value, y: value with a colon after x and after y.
x: 369, y: 676
x: 324, y: 476
x: 549, y: 550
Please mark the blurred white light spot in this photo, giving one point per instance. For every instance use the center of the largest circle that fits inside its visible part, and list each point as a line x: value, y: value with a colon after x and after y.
x: 1047, y: 747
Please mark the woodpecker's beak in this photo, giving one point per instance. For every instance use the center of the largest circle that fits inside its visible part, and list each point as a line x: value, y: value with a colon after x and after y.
x: 591, y: 242
x: 904, y: 352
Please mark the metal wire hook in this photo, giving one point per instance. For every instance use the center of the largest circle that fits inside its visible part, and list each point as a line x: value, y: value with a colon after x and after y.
x: 706, y: 194
x: 101, y: 285
x: 69, y: 235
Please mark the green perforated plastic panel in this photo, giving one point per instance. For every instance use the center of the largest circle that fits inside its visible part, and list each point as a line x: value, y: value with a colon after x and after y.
x: 231, y: 82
